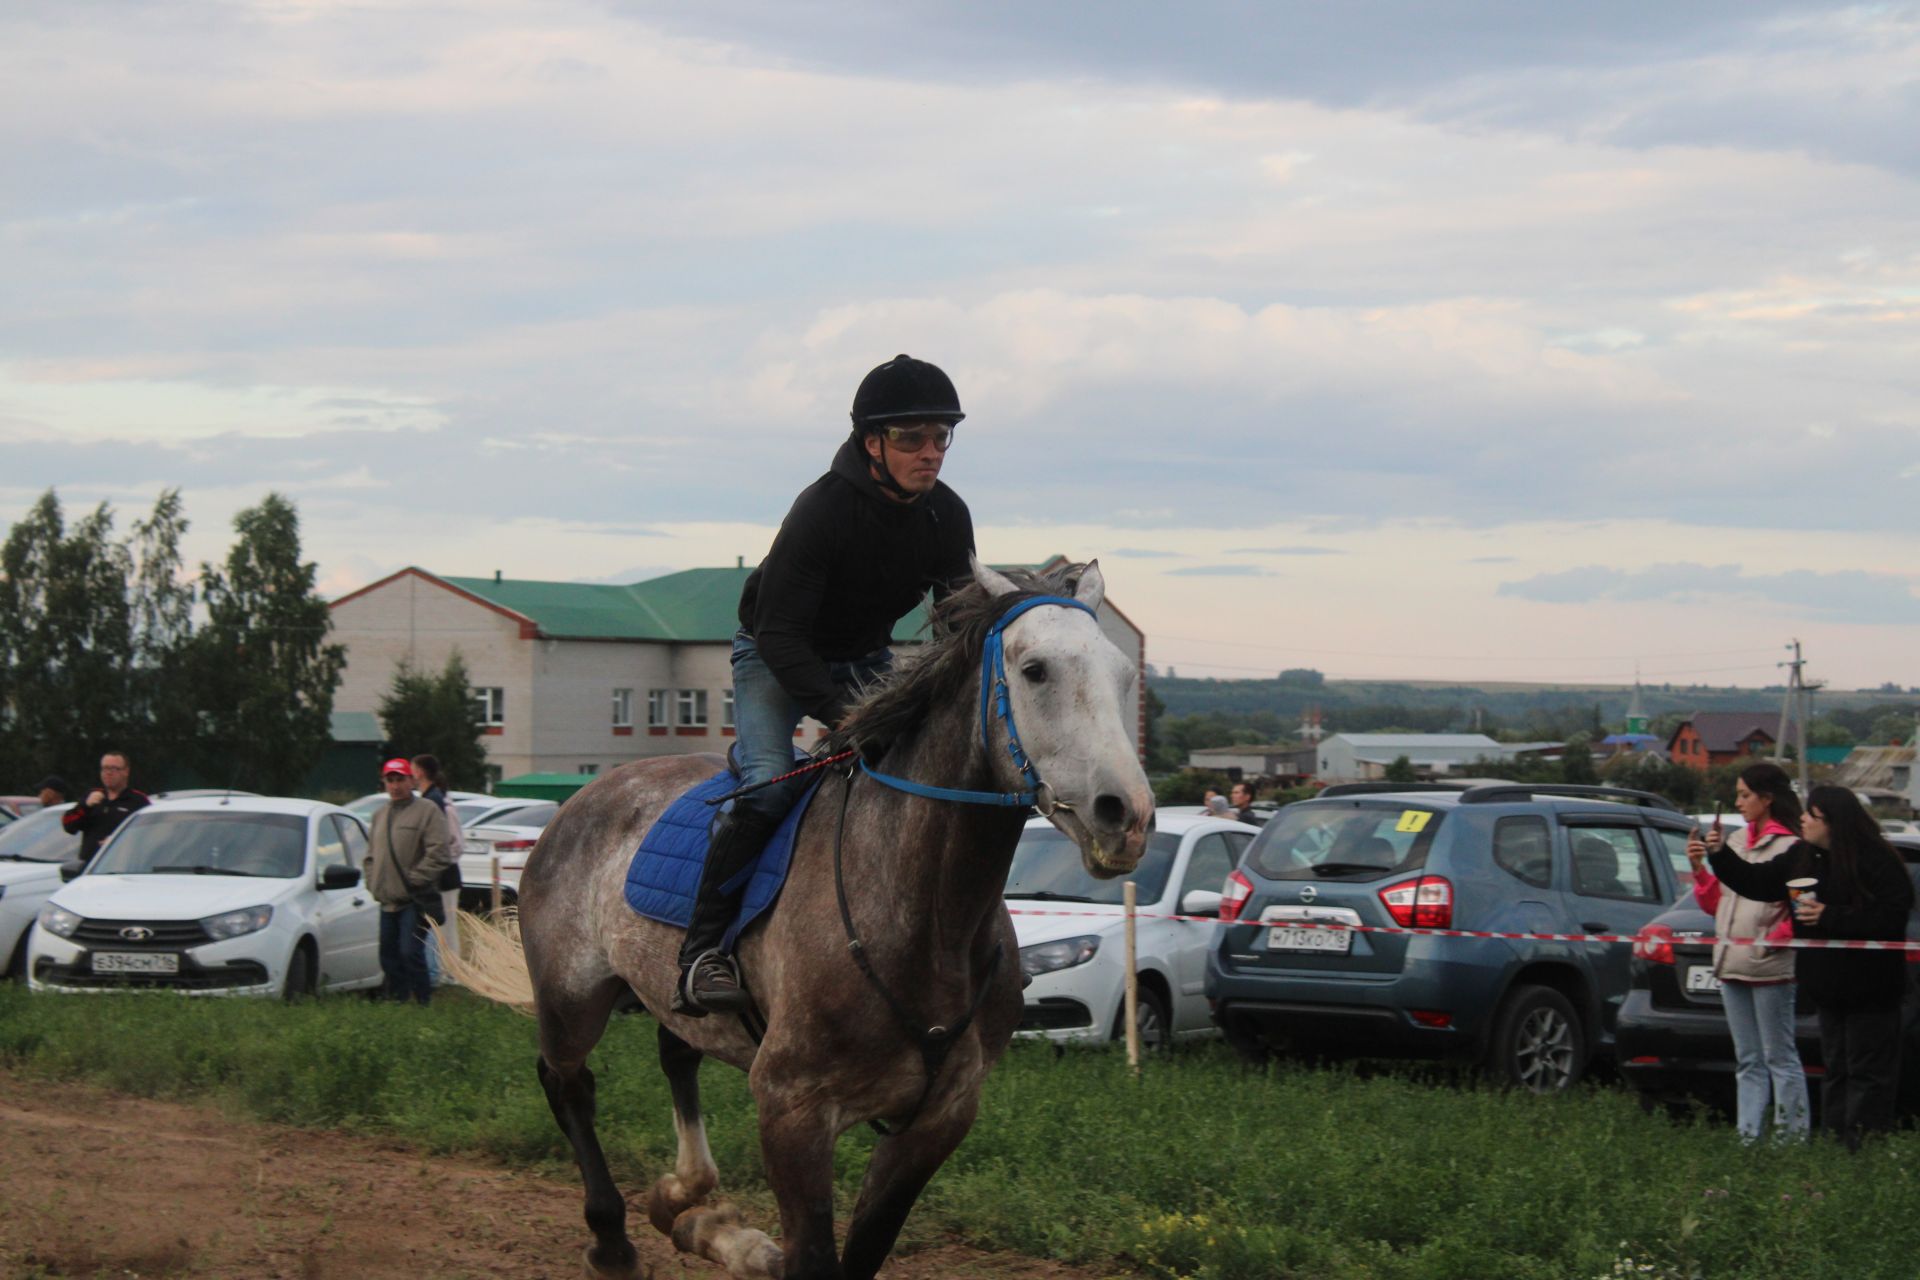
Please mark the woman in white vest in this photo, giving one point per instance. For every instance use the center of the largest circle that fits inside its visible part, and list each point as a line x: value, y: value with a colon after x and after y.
x: 1757, y: 980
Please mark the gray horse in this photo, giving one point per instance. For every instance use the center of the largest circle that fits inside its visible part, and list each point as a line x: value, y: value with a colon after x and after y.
x: 898, y: 1028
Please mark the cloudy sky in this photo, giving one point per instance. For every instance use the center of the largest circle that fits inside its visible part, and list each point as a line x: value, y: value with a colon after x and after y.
x: 1499, y: 340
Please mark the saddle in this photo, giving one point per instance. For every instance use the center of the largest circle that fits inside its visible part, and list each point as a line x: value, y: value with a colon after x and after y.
x: 664, y: 876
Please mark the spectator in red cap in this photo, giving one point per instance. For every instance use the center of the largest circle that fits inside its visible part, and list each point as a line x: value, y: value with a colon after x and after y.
x: 406, y: 852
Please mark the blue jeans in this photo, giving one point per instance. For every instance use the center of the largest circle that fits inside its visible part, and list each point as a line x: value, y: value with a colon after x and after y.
x: 403, y: 954
x: 765, y: 716
x: 1766, y: 1060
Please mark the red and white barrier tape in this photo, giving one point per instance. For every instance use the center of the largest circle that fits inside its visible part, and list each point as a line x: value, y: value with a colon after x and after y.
x: 1690, y: 940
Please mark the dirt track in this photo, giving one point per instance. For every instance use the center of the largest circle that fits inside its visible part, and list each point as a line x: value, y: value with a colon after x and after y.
x: 96, y: 1184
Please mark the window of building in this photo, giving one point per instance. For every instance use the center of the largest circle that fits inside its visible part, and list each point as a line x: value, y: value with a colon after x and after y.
x: 588, y: 769
x: 490, y: 705
x: 623, y: 708
x: 657, y: 717
x: 726, y: 708
x: 693, y: 708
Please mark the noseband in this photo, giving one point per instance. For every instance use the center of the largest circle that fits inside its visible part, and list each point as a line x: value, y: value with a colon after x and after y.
x: 996, y: 700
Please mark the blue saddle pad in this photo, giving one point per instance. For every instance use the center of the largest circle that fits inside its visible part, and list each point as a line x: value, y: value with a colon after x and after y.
x: 665, y: 873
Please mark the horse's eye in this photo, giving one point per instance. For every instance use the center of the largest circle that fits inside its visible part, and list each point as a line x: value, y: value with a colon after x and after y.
x: 1035, y: 672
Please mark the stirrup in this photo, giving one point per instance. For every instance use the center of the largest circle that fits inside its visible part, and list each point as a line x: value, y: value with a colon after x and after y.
x: 723, y: 1000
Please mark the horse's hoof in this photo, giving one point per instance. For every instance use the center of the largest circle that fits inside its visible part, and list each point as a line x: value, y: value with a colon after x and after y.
x: 668, y: 1200
x: 615, y: 1264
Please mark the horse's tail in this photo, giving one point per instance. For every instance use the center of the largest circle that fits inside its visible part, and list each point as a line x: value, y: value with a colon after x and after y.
x: 492, y: 963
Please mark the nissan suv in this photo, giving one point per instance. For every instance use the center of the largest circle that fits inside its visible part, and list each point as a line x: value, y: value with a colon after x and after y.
x: 1504, y: 858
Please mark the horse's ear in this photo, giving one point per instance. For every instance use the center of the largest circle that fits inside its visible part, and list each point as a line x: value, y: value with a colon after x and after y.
x: 996, y: 584
x: 1092, y: 588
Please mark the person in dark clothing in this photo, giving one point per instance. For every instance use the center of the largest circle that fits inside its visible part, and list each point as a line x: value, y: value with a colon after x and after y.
x: 106, y: 806
x: 860, y: 548
x: 1862, y: 891
x: 53, y: 790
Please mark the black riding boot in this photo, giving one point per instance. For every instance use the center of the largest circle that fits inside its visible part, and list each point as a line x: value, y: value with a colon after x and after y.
x: 708, y: 983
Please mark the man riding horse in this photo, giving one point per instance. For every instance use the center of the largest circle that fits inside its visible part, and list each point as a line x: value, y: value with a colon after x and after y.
x: 859, y: 549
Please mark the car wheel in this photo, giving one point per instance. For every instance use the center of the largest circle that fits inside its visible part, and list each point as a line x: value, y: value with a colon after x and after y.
x: 17, y: 963
x: 1153, y: 1018
x: 1248, y: 1043
x: 1538, y: 1042
x: 299, y: 982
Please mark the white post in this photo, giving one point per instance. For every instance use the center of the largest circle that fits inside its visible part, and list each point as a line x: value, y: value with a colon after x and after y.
x: 1133, y: 985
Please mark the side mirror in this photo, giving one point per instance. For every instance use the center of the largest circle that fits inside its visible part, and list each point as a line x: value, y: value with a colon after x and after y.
x: 71, y: 868
x: 1200, y: 902
x: 339, y: 877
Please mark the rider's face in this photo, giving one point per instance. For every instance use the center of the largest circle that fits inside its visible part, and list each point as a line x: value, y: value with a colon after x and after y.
x: 914, y: 471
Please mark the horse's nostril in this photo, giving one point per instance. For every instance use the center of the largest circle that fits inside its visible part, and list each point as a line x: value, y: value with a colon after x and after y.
x: 1109, y: 811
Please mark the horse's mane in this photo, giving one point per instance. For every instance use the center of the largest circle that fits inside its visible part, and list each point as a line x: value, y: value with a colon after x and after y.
x: 944, y: 665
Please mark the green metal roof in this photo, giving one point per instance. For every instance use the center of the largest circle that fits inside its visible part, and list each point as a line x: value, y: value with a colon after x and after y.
x: 692, y: 605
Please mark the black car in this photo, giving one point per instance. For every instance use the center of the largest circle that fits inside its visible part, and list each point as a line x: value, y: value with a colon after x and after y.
x: 1672, y: 1037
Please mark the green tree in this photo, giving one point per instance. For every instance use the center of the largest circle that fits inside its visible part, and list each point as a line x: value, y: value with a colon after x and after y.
x: 435, y: 714
x: 65, y: 642
x: 160, y: 604
x: 1892, y: 727
x: 1401, y: 770
x: 1576, y: 761
x: 263, y: 671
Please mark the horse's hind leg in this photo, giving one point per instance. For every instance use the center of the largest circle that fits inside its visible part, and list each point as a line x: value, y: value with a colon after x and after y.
x: 569, y: 1028
x: 694, y: 1176
x: 901, y: 1165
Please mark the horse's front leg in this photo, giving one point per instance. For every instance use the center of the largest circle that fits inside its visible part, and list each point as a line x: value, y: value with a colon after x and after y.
x: 796, y: 1145
x: 899, y: 1171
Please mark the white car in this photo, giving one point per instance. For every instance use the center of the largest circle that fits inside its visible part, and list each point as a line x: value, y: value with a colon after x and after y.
x: 242, y: 896
x: 511, y: 840
x: 1072, y: 930
x: 32, y: 851
x: 467, y: 805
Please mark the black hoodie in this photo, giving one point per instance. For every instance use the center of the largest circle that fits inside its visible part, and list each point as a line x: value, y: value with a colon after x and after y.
x: 848, y: 563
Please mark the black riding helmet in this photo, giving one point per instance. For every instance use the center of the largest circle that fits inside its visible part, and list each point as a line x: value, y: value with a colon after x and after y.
x: 902, y: 390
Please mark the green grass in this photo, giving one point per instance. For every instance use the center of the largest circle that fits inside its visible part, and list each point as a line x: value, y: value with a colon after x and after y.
x: 1199, y: 1169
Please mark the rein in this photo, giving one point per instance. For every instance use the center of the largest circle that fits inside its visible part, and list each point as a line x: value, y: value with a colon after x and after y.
x: 995, y: 699
x: 936, y: 1041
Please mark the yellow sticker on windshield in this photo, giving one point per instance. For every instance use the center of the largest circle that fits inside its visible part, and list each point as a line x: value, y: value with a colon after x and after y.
x: 1414, y: 819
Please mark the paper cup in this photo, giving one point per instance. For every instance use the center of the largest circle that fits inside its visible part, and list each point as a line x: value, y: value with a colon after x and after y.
x: 1802, y: 890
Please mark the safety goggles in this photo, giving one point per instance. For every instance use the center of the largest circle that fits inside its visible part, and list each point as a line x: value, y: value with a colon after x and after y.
x: 913, y: 439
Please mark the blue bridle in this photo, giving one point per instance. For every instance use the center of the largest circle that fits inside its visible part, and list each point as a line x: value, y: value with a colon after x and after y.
x: 994, y: 698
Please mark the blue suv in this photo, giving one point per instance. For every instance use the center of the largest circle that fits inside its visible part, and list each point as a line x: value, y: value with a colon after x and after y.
x: 1508, y: 858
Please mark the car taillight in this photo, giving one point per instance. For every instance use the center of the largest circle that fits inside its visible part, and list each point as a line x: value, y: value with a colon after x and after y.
x: 1422, y: 903
x: 513, y: 853
x: 1233, y: 896
x: 1654, y: 944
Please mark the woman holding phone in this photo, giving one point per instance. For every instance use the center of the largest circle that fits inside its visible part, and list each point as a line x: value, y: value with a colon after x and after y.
x: 1756, y: 980
x: 1860, y: 890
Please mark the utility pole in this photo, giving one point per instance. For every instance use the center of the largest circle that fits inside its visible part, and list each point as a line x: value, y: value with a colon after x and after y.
x: 1797, y: 703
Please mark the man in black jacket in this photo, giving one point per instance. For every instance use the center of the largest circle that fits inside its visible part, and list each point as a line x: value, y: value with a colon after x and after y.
x: 861, y: 546
x: 106, y: 806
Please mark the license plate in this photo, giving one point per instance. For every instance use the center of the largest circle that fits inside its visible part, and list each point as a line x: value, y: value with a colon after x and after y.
x: 1292, y: 938
x: 1702, y: 978
x: 134, y: 962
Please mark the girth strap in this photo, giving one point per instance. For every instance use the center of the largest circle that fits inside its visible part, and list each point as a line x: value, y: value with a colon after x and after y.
x: 934, y: 1042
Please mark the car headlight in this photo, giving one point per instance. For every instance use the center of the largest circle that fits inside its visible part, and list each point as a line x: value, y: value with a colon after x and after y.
x: 58, y: 921
x: 231, y: 924
x: 1051, y: 957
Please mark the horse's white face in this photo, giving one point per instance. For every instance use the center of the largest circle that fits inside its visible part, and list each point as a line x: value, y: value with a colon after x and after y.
x: 1071, y: 691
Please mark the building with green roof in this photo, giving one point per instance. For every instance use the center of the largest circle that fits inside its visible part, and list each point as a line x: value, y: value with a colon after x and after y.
x: 576, y: 677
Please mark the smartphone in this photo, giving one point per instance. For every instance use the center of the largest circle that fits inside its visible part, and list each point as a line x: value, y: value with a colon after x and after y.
x: 1716, y: 817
